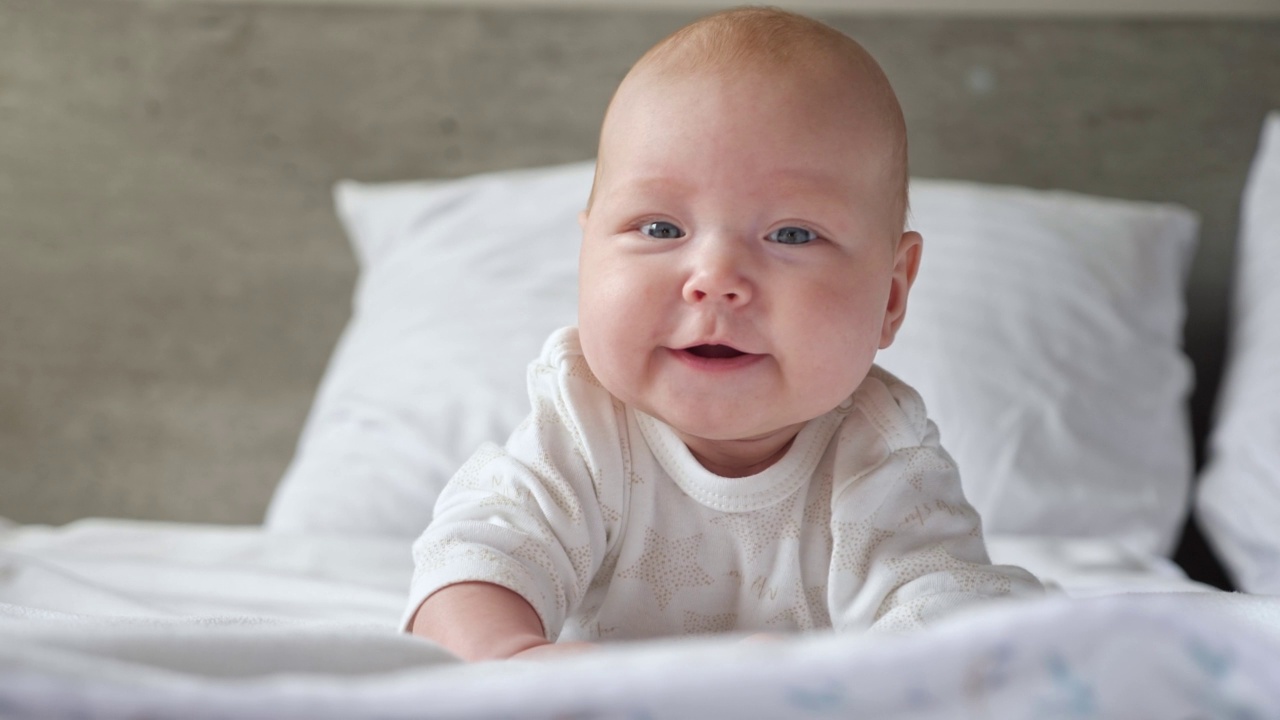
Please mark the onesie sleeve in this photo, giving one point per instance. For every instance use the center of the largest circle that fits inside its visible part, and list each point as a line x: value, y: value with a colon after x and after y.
x: 528, y: 515
x: 907, y: 548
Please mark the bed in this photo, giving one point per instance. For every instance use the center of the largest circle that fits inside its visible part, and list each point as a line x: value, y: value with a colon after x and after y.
x: 243, y: 349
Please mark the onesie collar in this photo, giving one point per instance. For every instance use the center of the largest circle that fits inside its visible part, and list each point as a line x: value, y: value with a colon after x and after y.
x: 743, y: 494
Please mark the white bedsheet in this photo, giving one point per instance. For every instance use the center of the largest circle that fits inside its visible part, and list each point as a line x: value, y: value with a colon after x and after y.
x: 125, y: 619
x: 148, y: 569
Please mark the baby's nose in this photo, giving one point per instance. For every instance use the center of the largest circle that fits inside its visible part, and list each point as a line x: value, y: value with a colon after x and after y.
x: 698, y: 295
x: 718, y: 276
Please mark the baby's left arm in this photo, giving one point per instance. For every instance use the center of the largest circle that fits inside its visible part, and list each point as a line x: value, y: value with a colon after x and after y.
x: 907, y: 546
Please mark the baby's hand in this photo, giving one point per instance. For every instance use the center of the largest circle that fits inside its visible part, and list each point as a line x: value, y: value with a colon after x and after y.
x: 553, y: 651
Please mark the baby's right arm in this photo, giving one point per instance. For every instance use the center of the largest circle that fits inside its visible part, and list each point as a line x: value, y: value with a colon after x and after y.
x: 479, y: 621
x: 520, y: 530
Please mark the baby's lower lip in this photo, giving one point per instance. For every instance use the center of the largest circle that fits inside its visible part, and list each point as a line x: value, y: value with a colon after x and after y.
x: 699, y: 362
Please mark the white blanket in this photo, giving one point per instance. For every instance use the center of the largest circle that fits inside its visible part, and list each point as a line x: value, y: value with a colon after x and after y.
x: 118, y: 619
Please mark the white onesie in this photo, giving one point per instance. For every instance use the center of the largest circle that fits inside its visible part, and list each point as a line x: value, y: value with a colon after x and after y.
x: 600, y: 517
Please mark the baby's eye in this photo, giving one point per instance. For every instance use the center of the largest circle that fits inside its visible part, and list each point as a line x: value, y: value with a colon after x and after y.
x: 661, y: 230
x: 791, y: 235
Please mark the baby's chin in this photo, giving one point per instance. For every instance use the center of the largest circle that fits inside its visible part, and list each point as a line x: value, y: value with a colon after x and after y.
x: 725, y: 428
x: 717, y: 420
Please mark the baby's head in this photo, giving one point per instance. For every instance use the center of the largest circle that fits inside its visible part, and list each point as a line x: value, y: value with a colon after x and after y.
x: 743, y: 251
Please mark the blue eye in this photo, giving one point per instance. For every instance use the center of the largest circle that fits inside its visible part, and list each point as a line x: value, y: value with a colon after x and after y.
x: 661, y: 230
x: 791, y: 235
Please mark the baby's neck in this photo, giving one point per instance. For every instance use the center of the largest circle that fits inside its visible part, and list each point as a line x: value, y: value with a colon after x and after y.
x: 741, y: 458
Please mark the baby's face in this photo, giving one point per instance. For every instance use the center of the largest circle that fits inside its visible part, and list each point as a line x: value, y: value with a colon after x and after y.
x: 743, y: 257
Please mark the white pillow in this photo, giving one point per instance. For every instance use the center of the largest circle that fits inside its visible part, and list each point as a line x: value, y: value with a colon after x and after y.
x: 460, y: 284
x: 1043, y: 333
x: 1238, y: 503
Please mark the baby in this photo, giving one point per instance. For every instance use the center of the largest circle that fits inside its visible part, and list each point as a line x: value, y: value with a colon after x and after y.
x: 711, y: 449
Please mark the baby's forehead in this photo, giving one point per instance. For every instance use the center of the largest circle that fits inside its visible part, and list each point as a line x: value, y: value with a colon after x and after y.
x: 833, y: 94
x: 749, y: 48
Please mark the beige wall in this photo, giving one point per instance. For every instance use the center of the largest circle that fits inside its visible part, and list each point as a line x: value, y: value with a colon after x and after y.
x: 1145, y: 8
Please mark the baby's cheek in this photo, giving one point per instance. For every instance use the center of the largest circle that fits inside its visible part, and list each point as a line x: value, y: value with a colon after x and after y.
x: 840, y: 359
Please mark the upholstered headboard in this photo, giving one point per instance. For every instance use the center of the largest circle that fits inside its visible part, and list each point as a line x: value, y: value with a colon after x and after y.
x: 172, y: 276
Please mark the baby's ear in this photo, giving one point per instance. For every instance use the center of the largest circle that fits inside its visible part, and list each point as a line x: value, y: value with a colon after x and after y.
x: 906, y: 264
x: 582, y: 220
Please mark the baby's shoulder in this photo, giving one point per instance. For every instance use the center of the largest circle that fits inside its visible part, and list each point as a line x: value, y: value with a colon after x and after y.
x: 561, y: 380
x: 562, y: 356
x: 893, y: 407
x: 561, y: 347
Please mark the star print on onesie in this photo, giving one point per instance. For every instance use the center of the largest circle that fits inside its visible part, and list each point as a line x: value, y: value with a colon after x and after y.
x: 668, y: 565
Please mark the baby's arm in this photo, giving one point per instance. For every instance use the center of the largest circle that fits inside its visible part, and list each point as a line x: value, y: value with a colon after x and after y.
x: 479, y: 621
x: 495, y: 564
x: 907, y: 545
x: 520, y: 530
x: 918, y: 555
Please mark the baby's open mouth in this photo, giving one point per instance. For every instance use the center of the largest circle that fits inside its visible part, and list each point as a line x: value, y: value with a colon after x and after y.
x: 714, y: 352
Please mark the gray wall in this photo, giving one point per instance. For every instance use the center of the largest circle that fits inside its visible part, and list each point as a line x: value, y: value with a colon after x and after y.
x: 1059, y: 8
x: 172, y: 278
